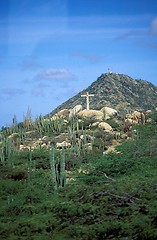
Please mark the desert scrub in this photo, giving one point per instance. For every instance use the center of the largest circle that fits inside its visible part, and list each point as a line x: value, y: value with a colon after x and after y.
x: 111, y: 197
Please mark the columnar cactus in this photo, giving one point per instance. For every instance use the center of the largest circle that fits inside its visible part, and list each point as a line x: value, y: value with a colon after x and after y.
x: 58, y: 170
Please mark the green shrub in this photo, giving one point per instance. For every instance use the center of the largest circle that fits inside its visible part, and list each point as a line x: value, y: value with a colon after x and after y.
x: 108, y: 197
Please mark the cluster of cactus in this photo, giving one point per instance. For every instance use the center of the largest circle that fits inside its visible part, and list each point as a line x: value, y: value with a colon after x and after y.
x: 7, y: 149
x: 74, y: 123
x: 57, y: 166
x: 57, y: 125
x: 40, y: 124
x: 48, y: 125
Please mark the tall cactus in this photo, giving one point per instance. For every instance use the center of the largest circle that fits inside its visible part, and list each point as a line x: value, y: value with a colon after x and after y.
x: 53, y: 169
x: 62, y: 170
x: 7, y: 150
x: 58, y: 170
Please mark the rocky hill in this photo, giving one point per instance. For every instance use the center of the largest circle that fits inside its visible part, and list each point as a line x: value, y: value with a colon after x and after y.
x: 117, y: 91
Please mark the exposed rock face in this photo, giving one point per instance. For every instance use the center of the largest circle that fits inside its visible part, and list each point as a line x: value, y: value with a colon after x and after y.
x: 92, y: 115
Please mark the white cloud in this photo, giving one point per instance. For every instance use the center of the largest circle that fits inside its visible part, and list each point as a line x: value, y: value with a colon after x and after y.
x: 54, y: 74
x: 154, y: 26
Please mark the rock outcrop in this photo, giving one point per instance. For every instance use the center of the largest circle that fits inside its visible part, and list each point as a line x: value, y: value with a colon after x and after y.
x: 91, y: 115
x: 109, y: 112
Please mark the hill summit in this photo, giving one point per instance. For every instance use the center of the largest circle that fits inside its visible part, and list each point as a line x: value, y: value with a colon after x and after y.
x: 117, y: 91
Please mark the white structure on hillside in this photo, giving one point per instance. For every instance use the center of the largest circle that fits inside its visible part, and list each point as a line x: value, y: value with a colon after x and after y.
x: 87, y: 95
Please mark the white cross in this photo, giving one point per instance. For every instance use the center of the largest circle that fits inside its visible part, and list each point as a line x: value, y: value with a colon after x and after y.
x: 87, y: 95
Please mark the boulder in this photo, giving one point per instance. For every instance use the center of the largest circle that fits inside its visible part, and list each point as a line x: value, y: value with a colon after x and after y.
x: 87, y: 138
x: 128, y: 123
x: 13, y: 135
x: 88, y: 146
x: 24, y: 148
x: 109, y: 112
x: 148, y: 112
x: 61, y: 138
x: 91, y: 115
x: 64, y: 113
x: 75, y: 110
x: 139, y: 117
x: 95, y: 124
x: 105, y: 126
x: 63, y: 144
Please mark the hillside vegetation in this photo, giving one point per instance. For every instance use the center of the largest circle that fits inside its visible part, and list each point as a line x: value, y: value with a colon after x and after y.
x: 118, y: 91
x: 77, y: 193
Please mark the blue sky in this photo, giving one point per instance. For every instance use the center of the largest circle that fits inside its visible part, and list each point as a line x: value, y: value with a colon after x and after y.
x: 52, y: 49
